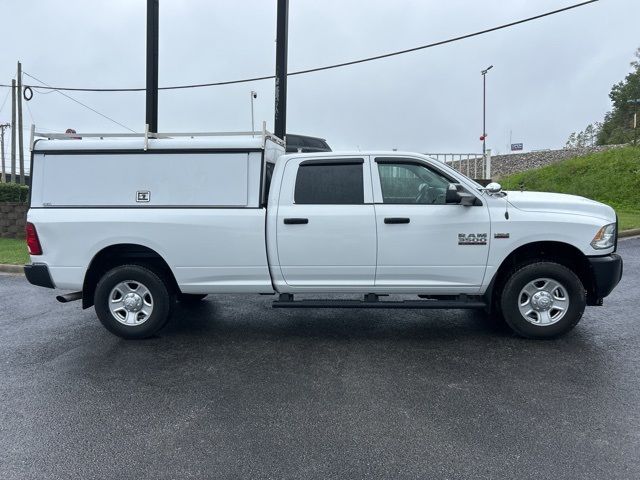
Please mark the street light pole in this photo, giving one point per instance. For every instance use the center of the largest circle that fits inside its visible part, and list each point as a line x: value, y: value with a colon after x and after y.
x: 484, y: 109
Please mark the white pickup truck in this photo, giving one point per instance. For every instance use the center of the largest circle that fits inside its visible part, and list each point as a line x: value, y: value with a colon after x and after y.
x: 132, y: 225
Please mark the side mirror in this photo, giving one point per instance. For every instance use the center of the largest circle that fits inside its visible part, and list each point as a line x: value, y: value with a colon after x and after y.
x: 452, y: 195
x: 493, y: 188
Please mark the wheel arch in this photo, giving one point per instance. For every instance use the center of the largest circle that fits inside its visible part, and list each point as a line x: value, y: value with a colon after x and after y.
x: 554, y: 251
x: 120, y: 254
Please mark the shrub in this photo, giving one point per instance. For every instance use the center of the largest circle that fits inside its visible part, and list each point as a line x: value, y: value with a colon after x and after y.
x: 12, y: 192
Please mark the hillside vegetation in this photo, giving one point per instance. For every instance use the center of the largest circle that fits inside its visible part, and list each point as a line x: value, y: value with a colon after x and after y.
x: 611, y: 177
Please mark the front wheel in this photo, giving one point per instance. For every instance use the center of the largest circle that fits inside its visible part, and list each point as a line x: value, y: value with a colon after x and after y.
x: 133, y: 302
x: 543, y: 300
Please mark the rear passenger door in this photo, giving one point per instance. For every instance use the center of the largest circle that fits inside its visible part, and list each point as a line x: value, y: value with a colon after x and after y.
x: 326, y: 227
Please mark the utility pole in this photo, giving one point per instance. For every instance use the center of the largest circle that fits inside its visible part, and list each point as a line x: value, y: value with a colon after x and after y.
x: 282, y: 33
x: 20, y: 132
x: 484, y: 109
x: 3, y: 175
x: 13, y: 131
x: 152, y: 64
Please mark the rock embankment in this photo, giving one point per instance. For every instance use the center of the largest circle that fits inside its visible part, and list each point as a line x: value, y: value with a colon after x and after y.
x: 503, y: 165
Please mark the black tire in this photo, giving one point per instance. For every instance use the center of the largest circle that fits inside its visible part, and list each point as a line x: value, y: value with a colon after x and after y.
x: 524, y: 275
x: 191, y: 297
x: 162, y: 300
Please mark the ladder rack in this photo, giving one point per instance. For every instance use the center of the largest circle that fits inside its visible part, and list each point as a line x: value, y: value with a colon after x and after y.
x: 264, y: 134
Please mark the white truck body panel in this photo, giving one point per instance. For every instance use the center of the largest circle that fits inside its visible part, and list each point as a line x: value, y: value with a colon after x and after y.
x: 422, y: 256
x: 208, y: 250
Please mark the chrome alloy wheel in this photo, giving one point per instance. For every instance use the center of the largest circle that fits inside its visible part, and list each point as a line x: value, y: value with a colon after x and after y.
x: 130, y: 303
x: 543, y: 301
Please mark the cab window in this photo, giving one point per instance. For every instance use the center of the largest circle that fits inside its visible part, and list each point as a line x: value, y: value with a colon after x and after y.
x: 411, y: 183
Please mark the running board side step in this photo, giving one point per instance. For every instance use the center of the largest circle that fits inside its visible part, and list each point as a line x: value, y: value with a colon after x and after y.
x: 370, y: 301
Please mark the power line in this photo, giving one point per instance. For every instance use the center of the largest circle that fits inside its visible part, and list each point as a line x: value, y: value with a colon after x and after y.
x: 444, y: 42
x: 79, y: 102
x: 33, y: 122
x: 329, y: 67
x: 42, y: 92
x: 5, y: 100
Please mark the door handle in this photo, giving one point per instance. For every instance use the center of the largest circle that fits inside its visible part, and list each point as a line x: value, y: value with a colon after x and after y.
x: 395, y: 220
x: 296, y: 221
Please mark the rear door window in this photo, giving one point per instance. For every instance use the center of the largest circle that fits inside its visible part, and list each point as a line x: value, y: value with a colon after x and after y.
x: 330, y: 183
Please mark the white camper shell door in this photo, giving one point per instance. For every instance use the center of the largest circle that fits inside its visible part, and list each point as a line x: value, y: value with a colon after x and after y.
x: 326, y: 231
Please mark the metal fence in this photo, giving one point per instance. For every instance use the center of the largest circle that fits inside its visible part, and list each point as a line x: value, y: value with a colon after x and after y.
x: 473, y: 165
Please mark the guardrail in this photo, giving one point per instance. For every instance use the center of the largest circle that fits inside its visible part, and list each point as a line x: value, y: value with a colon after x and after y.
x: 473, y: 165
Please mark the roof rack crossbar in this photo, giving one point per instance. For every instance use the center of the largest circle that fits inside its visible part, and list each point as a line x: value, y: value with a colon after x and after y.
x: 160, y: 135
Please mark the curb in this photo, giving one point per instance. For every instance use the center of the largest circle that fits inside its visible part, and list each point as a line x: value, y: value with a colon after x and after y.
x: 11, y: 268
x: 629, y: 233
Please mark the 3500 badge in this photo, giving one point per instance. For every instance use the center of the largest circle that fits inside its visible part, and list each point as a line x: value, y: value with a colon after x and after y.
x: 472, y: 239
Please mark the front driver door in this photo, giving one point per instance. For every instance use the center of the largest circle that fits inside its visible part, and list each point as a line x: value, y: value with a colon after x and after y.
x: 425, y: 244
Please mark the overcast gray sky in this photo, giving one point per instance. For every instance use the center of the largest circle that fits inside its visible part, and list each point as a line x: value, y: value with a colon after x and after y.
x: 550, y: 77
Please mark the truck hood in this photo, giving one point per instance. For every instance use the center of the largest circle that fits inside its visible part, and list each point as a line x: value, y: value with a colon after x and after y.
x: 560, y: 203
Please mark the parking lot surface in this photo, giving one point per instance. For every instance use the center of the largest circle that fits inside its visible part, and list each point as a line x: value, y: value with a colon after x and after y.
x: 234, y: 389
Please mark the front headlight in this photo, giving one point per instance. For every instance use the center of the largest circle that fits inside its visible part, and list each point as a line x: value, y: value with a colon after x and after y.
x: 605, y: 238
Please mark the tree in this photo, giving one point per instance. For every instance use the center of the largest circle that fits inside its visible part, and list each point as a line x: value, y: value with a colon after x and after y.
x: 588, y: 135
x: 617, y: 126
x: 585, y: 138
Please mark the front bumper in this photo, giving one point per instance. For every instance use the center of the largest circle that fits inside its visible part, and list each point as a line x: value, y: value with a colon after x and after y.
x: 607, y: 272
x: 38, y: 274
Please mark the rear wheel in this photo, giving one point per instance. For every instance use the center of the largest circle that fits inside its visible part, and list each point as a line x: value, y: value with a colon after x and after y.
x: 543, y: 300
x: 133, y: 301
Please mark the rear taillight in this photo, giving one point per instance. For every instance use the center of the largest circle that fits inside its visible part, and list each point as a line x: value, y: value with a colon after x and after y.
x: 33, y: 242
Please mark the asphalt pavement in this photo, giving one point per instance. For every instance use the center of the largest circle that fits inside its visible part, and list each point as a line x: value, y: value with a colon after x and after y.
x: 234, y: 389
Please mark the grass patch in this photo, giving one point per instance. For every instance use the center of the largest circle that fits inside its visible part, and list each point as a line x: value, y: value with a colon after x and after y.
x: 13, y: 251
x: 629, y: 220
x: 611, y: 177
